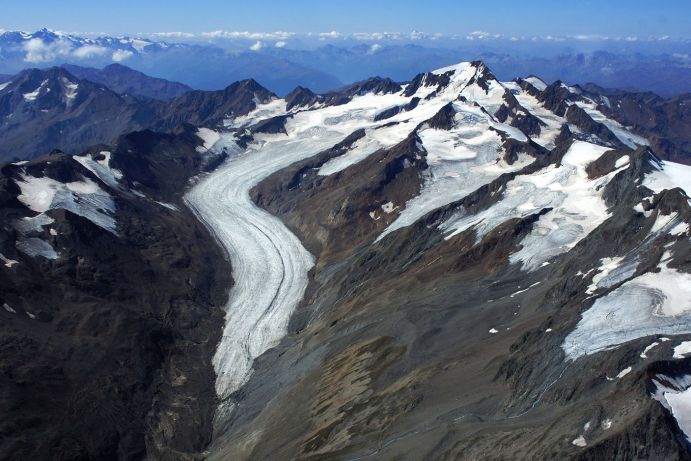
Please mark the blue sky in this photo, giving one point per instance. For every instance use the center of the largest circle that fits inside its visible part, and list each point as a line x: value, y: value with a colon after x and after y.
x: 534, y: 17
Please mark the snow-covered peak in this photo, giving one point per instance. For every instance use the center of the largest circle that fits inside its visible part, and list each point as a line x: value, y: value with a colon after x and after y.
x: 455, y: 68
x: 48, y: 46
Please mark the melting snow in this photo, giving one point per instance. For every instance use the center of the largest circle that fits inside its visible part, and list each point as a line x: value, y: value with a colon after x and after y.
x: 624, y: 372
x: 652, y: 303
x: 30, y: 97
x: 33, y: 247
x: 524, y: 290
x: 209, y: 137
x: 536, y: 82
x: 8, y: 262
x: 70, y: 91
x: 625, y: 136
x: 611, y: 272
x: 273, y: 108
x: 460, y: 161
x: 388, y: 207
x: 675, y: 395
x: 682, y: 350
x: 668, y: 176
x: 170, y: 206
x: 101, y: 168
x: 83, y: 198
x: 579, y: 441
x: 647, y: 349
x: 576, y: 202
x: 621, y: 161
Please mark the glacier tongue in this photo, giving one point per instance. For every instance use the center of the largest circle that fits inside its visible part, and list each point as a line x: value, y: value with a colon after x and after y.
x: 269, y: 263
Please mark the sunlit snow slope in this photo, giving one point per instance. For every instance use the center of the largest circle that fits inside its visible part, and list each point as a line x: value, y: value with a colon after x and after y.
x: 470, y: 130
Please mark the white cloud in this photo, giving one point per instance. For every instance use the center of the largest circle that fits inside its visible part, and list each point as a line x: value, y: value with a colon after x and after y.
x: 481, y: 35
x: 257, y: 46
x: 38, y: 51
x: 278, y: 35
x: 281, y: 44
x: 121, y: 55
x: 332, y: 34
x: 415, y: 35
x: 89, y: 51
x: 171, y: 34
x: 374, y: 48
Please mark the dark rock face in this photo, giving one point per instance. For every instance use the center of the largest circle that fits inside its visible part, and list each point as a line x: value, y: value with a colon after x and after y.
x: 73, y: 114
x: 42, y: 110
x: 444, y: 119
x: 390, y: 112
x: 106, y: 351
x: 126, y: 81
x: 663, y: 121
x: 554, y: 97
x: 301, y: 97
x: 210, y: 108
x: 582, y: 120
x: 427, y: 79
x: 375, y: 85
x: 272, y: 125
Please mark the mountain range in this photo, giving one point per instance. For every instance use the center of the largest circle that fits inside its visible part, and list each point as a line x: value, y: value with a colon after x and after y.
x: 71, y: 108
x: 454, y: 266
x: 660, y: 66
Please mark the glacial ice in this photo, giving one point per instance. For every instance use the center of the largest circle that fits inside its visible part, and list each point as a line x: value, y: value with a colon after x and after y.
x: 84, y: 198
x: 651, y: 304
x: 576, y: 203
x: 674, y: 393
x: 625, y: 136
x: 101, y: 168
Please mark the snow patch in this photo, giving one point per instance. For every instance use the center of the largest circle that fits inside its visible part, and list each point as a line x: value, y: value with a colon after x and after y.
x: 388, y: 207
x: 647, y: 349
x: 539, y: 84
x: 622, y: 161
x: 669, y: 175
x: 579, y: 441
x: 612, y: 272
x: 169, y: 206
x: 682, y: 350
x: 83, y: 198
x: 7, y: 261
x: 624, y: 372
x: 625, y: 136
x: 576, y: 203
x: 208, y: 137
x: 101, y: 168
x: 31, y: 97
x: 650, y: 304
x: 674, y: 393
